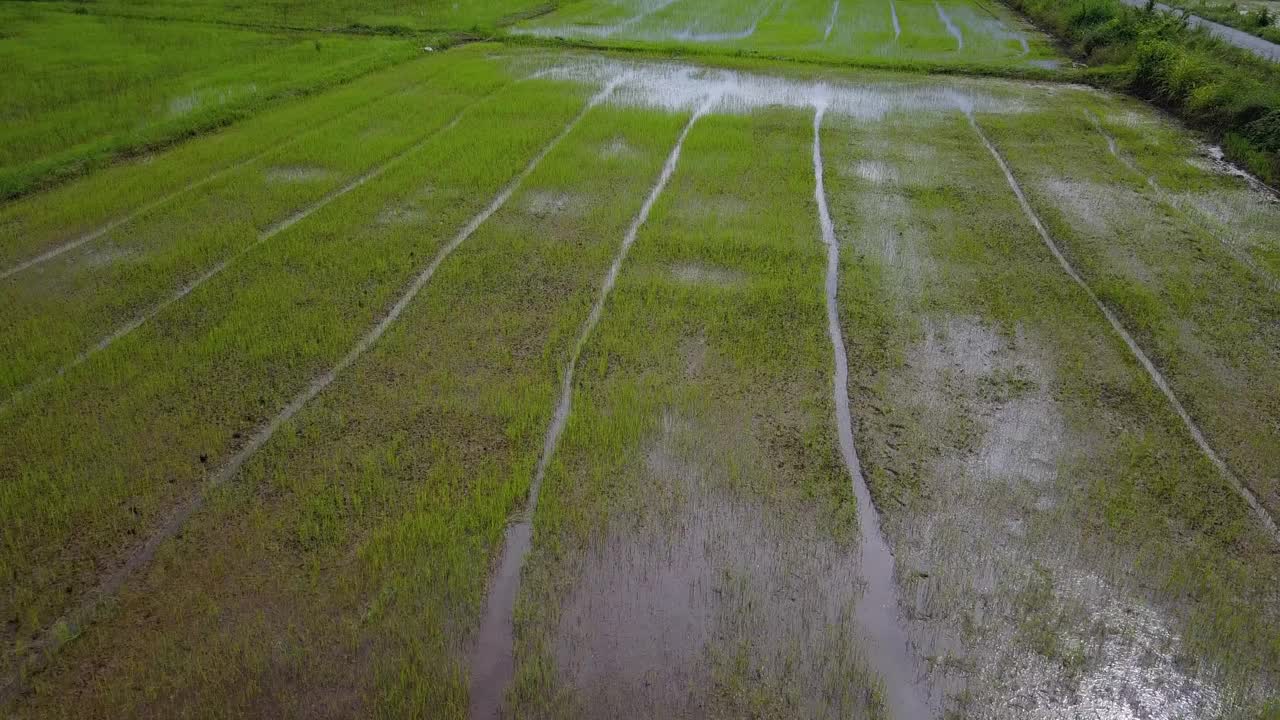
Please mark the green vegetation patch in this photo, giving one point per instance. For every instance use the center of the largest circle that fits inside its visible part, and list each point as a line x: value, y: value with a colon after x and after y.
x: 82, y: 90
x: 345, y: 569
x: 1208, y: 317
x: 66, y: 306
x: 94, y: 461
x: 384, y: 17
x: 1231, y: 93
x: 905, y: 32
x: 1048, y: 510
x: 694, y: 548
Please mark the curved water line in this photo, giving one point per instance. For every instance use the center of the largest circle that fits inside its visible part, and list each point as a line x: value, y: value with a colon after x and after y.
x: 493, y: 663
x: 951, y: 27
x: 69, y: 626
x: 877, y: 609
x: 1157, y: 377
x: 265, y: 235
x: 162, y: 200
x: 831, y: 22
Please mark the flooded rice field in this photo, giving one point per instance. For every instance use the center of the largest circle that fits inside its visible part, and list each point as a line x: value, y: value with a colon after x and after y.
x: 888, y: 32
x: 605, y: 387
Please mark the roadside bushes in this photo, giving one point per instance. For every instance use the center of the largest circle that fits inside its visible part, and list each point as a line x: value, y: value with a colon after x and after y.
x: 1225, y: 91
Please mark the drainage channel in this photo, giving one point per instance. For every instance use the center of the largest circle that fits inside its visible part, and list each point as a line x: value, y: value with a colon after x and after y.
x: 877, y: 610
x: 493, y: 663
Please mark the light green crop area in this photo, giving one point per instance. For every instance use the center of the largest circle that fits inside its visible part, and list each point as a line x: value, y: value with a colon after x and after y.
x: 880, y: 32
x: 82, y: 89
x: 506, y: 377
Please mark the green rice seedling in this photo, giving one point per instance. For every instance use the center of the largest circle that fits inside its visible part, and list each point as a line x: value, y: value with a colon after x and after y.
x: 858, y: 31
x: 370, y: 520
x: 201, y: 377
x: 85, y: 89
x: 1026, y: 464
x: 384, y: 17
x: 1210, y: 323
x: 75, y: 303
x: 89, y: 207
x: 693, y: 534
x: 1192, y: 178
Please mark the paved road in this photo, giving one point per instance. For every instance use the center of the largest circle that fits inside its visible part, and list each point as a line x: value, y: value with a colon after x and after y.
x: 1239, y: 38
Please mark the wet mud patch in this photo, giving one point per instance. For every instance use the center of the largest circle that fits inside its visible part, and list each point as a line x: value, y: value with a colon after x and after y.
x: 97, y: 256
x: 1019, y: 614
x: 875, y: 172
x: 296, y: 174
x: 617, y: 148
x: 549, y: 203
x: 715, y: 208
x: 1103, y: 211
x: 893, y: 235
x: 407, y: 214
x: 1212, y: 159
x: 1245, y: 219
x: 675, y: 601
x: 696, y: 274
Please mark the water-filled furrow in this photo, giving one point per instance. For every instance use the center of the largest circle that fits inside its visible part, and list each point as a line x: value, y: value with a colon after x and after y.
x: 951, y: 27
x: 1156, y: 376
x: 493, y: 665
x: 877, y: 609
x: 70, y: 625
x: 831, y: 21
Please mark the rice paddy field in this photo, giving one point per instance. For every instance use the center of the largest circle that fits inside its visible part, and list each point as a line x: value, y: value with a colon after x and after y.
x: 957, y: 33
x: 592, y: 377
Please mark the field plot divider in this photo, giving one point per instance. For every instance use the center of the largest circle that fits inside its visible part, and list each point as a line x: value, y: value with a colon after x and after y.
x: 493, y: 665
x: 951, y: 27
x: 1157, y: 377
x: 1167, y: 199
x: 263, y: 236
x: 72, y: 624
x: 877, y: 609
x: 197, y: 184
x: 831, y: 21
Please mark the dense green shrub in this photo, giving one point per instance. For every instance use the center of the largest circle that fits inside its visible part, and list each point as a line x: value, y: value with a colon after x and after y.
x: 1230, y: 93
